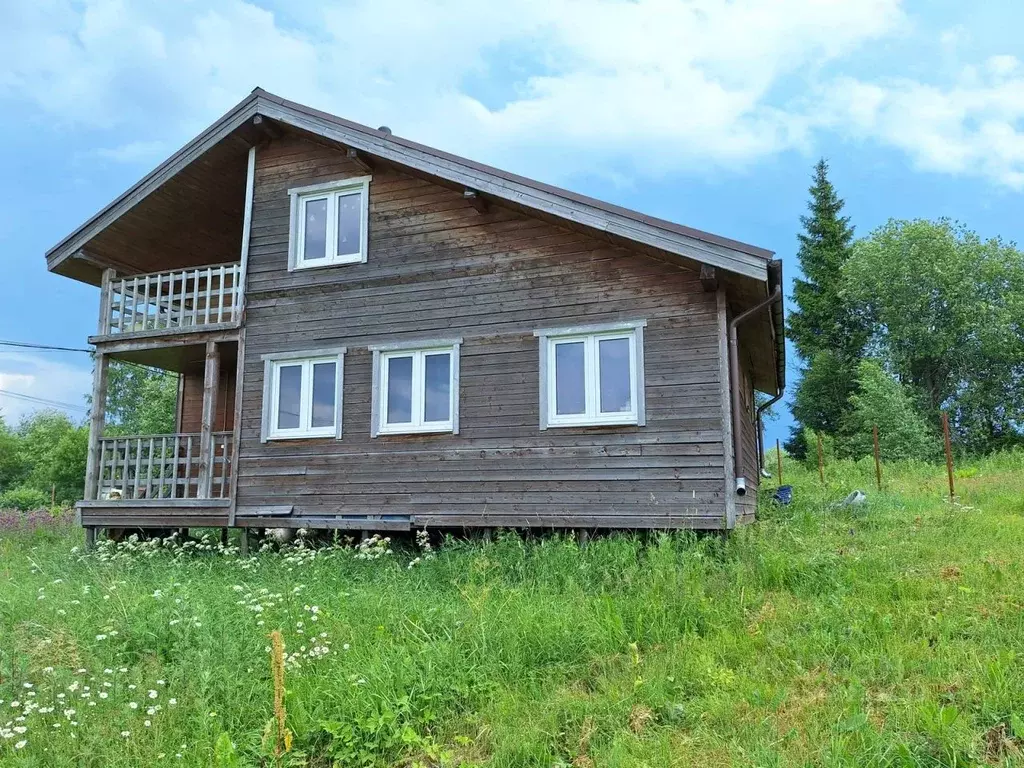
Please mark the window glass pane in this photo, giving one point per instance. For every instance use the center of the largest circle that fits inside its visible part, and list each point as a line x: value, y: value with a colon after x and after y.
x: 324, y: 385
x: 349, y: 215
x: 315, y: 244
x: 289, y: 389
x: 613, y: 358
x: 570, y: 386
x: 399, y: 406
x: 438, y: 386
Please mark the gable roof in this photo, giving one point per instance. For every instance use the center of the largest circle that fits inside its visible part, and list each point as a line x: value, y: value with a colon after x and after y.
x: 580, y: 210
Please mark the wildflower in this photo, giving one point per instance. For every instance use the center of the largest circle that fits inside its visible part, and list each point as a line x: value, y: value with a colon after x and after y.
x: 126, y: 734
x: 21, y: 744
x: 152, y: 694
x: 103, y: 694
x: 101, y: 637
x: 147, y: 723
x: 26, y: 685
x: 133, y: 705
x: 172, y: 702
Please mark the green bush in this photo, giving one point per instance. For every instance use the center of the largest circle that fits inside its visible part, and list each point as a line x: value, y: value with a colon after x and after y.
x: 24, y: 499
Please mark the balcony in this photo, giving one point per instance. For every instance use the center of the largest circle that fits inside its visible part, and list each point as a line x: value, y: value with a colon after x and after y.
x: 179, y: 301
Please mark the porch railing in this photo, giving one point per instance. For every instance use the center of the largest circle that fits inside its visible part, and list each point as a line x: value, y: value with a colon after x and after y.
x: 162, y: 467
x: 185, y: 299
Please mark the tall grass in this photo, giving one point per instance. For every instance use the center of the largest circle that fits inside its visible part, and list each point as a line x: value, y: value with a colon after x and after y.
x: 885, y: 634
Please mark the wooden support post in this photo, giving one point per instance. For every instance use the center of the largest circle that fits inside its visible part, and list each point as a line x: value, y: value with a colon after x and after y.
x: 584, y: 538
x: 778, y: 457
x: 210, y: 386
x: 97, y: 417
x: 90, y: 537
x: 949, y: 454
x: 488, y: 534
x: 224, y: 537
x: 243, y: 542
x: 878, y: 458
x: 821, y: 460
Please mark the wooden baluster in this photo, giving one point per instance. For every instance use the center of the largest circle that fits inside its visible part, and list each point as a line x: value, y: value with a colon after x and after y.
x: 220, y: 296
x: 195, y: 297
x: 170, y: 300
x: 121, y: 307
x: 157, y: 306
x: 145, y: 305
x: 188, y: 466
x: 209, y: 298
x: 135, y: 305
x: 124, y: 472
x: 162, y: 493
x: 98, y: 490
x: 138, y: 468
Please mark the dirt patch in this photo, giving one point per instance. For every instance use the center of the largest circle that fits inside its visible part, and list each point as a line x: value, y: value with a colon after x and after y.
x: 950, y: 572
x: 639, y: 717
x: 1000, y: 744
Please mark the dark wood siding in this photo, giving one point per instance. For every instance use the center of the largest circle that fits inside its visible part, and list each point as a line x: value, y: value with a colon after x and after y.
x: 191, y: 406
x: 439, y: 268
x: 747, y: 505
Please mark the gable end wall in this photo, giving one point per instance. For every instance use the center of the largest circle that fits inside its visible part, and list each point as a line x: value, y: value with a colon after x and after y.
x: 438, y: 268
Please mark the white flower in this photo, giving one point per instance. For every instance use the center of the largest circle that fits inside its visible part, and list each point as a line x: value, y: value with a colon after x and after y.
x: 101, y: 637
x: 103, y: 694
x: 147, y: 723
x: 21, y: 744
x: 132, y: 705
x: 172, y: 702
x: 26, y: 685
x: 152, y: 694
x: 126, y: 734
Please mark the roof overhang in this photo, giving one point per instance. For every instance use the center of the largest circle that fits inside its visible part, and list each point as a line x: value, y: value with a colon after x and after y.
x: 70, y: 256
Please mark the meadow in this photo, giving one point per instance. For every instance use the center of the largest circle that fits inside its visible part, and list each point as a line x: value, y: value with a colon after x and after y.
x: 887, y: 634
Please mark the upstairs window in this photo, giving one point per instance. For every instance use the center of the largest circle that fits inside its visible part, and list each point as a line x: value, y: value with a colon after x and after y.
x: 302, y: 395
x: 416, y: 388
x: 328, y: 224
x: 592, y: 376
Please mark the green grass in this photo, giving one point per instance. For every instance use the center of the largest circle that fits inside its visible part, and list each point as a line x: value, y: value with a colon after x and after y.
x: 890, y: 635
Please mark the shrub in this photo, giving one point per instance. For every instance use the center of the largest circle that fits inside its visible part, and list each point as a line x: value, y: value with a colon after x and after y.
x: 25, y: 499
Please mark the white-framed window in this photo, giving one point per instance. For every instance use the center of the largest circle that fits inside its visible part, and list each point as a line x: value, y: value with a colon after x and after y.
x: 327, y: 224
x: 302, y: 394
x: 416, y: 387
x: 592, y: 375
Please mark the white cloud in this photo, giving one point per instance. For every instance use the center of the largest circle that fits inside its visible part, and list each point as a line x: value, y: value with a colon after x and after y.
x: 544, y: 87
x: 972, y: 127
x: 41, y: 378
x: 549, y: 86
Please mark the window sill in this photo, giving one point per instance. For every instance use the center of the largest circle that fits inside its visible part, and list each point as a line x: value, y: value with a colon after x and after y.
x: 332, y: 435
x: 427, y: 430
x: 632, y: 421
x: 341, y: 262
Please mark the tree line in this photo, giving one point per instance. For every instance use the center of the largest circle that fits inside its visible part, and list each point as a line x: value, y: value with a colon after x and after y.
x: 916, y: 318
x: 42, y: 458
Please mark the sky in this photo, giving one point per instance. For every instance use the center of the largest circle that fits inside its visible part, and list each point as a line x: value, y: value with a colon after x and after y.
x: 710, y: 113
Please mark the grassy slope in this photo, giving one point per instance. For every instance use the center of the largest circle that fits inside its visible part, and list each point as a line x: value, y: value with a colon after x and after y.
x: 817, y: 637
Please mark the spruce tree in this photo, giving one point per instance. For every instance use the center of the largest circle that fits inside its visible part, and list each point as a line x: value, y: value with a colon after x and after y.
x: 826, y: 330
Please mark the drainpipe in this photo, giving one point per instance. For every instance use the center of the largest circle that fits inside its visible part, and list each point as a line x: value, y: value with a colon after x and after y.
x: 734, y: 384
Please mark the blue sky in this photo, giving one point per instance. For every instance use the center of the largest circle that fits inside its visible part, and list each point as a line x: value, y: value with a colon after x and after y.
x: 709, y: 112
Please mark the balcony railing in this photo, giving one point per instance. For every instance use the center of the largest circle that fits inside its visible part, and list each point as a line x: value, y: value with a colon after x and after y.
x: 163, y: 467
x: 183, y: 299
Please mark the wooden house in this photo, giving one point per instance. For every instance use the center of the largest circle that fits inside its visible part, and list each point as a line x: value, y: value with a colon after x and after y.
x: 372, y: 334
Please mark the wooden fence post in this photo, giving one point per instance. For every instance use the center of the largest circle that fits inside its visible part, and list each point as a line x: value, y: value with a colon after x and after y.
x: 949, y: 454
x: 778, y: 456
x: 878, y: 459
x: 821, y: 460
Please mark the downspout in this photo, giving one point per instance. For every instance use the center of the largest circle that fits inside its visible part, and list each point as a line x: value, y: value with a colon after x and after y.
x: 734, y: 384
x: 760, y: 428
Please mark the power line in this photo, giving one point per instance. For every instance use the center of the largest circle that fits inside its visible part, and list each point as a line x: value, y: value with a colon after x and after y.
x: 43, y: 401
x: 26, y: 345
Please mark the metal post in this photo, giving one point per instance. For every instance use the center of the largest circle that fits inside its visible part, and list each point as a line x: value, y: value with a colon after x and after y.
x: 778, y: 456
x: 949, y: 454
x: 878, y: 459
x: 821, y: 460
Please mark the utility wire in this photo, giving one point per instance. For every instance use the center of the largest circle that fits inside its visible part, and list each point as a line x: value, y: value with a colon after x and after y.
x: 43, y: 401
x: 25, y: 345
